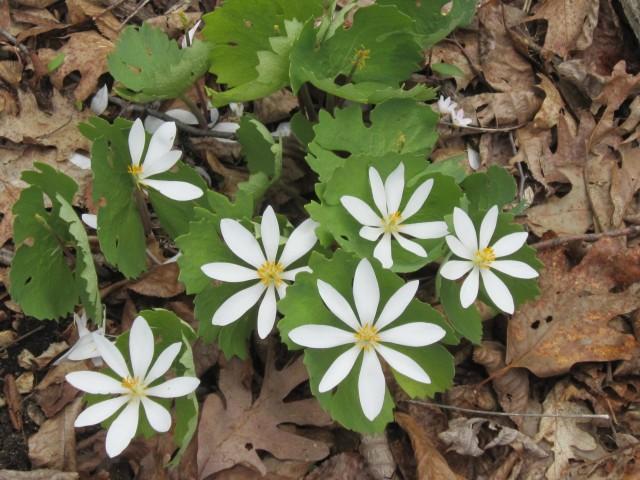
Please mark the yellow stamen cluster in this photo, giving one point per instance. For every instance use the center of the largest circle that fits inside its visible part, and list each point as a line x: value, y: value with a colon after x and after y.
x: 134, y: 384
x: 269, y: 273
x: 391, y: 222
x: 360, y: 57
x: 134, y: 169
x: 367, y: 336
x: 485, y: 257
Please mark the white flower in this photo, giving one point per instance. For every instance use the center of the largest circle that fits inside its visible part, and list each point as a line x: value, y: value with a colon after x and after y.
x: 90, y: 220
x: 267, y: 268
x: 159, y: 158
x: 85, y: 348
x: 133, y: 387
x: 100, y: 101
x: 187, y: 39
x: 473, y: 158
x: 480, y: 259
x: 283, y: 130
x: 390, y: 221
x: 458, y: 118
x: 237, y: 109
x: 151, y: 123
x: 81, y: 161
x: 226, y: 127
x: 369, y: 336
x: 446, y: 106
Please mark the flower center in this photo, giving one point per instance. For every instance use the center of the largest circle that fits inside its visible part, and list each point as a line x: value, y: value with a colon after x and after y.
x: 269, y: 273
x: 134, y: 170
x: 134, y: 385
x: 367, y: 337
x: 485, y: 257
x: 391, y: 222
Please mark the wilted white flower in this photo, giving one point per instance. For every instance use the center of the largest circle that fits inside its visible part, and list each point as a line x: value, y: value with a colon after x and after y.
x: 459, y: 120
x: 85, y: 348
x: 389, y: 222
x: 133, y: 387
x: 187, y: 39
x: 370, y: 336
x: 267, y: 269
x: 473, y: 158
x: 282, y: 130
x: 80, y: 161
x: 226, y: 127
x: 90, y: 220
x: 100, y: 101
x: 237, y: 109
x: 159, y: 158
x: 446, y: 106
x: 480, y: 259
x: 151, y: 123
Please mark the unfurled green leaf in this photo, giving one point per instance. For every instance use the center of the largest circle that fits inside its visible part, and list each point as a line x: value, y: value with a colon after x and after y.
x: 447, y: 70
x: 148, y: 65
x: 493, y: 187
x: 262, y: 153
x: 303, y: 306
x: 55, y: 63
x: 466, y: 321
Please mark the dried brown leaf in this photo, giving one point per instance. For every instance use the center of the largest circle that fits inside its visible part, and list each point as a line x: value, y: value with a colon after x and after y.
x: 549, y: 112
x: 343, y: 466
x: 40, y: 474
x: 502, y: 109
x: 54, y: 393
x: 276, y: 107
x: 569, y: 323
x: 464, y: 54
x: 598, y: 176
x: 161, y: 281
x: 14, y: 401
x: 231, y: 431
x: 83, y: 10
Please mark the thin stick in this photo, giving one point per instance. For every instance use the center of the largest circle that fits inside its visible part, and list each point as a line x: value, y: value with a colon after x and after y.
x: 22, y: 337
x: 14, y: 41
x: 134, y: 13
x: 483, y: 129
x: 587, y: 237
x: 512, y: 414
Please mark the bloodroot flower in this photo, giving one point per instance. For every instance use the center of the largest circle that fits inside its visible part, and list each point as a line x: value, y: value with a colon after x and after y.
x: 133, y: 387
x: 370, y: 337
x: 159, y: 158
x: 479, y: 259
x: 390, y: 221
x: 269, y: 272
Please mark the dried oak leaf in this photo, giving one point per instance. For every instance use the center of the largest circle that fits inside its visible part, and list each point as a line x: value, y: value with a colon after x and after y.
x: 569, y: 323
x: 502, y: 109
x: 598, y: 176
x: 552, y: 105
x: 82, y: 10
x: 161, y: 281
x: 463, y: 54
x: 85, y: 52
x: 231, y: 431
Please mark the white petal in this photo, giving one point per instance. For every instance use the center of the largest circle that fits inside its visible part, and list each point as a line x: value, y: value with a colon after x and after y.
x: 301, y: 240
x: 270, y: 232
x: 175, y: 190
x: 214, y: 115
x: 156, y: 165
x: 371, y: 385
x: 283, y: 130
x: 458, y: 248
x: 182, y: 115
x: 497, y: 291
x: 394, y: 187
x: 229, y: 272
x: 176, y: 387
x: 237, y: 305
x: 377, y: 191
x: 371, y: 233
x: 415, y: 334
x: 83, y: 349
x: 465, y: 231
x: 410, y: 245
x: 151, y: 123
x: 417, y: 199
x: 337, y: 304
x: 488, y: 226
x: 383, y: 251
x: 366, y: 292
x: 112, y: 356
x: 123, y: 429
x: 290, y: 275
x: 473, y: 158
x: 514, y: 268
x: 81, y: 323
x: 226, y: 127
x: 163, y: 362
x: 100, y: 411
x: 161, y: 141
x: 137, y: 140
x: 158, y: 416
x: 80, y: 161
x: 425, y: 230
x: 469, y: 290
x: 454, y: 269
x: 282, y: 289
x: 339, y: 369
x: 267, y: 313
x: 95, y: 382
x: 397, y: 304
x: 241, y: 242
x: 100, y: 100
x: 510, y: 243
x: 237, y: 108
x: 321, y: 336
x: 141, y: 346
x: 403, y: 364
x: 359, y: 210
x: 90, y: 220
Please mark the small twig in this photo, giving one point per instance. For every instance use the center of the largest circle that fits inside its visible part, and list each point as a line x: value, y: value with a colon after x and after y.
x: 191, y: 130
x: 14, y: 41
x: 304, y: 98
x: 587, y: 237
x: 483, y: 129
x: 20, y: 338
x: 134, y: 13
x: 603, y: 416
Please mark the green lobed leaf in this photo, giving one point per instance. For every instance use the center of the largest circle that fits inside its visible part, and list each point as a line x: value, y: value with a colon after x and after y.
x: 303, y: 305
x: 149, y: 66
x: 446, y: 70
x: 262, y: 153
x: 485, y: 189
x: 353, y: 179
x: 466, y: 321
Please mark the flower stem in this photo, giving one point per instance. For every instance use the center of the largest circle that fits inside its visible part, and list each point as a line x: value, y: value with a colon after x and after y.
x: 195, y: 110
x: 141, y: 203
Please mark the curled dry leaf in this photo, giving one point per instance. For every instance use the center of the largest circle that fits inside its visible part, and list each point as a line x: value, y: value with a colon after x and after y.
x: 375, y: 449
x: 625, y: 182
x: 231, y: 431
x: 552, y: 105
x: 161, y: 281
x: 569, y: 322
x: 502, y: 109
x: 463, y: 54
x: 82, y: 10
x: 276, y: 107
